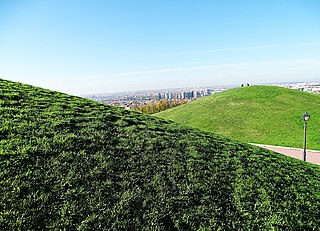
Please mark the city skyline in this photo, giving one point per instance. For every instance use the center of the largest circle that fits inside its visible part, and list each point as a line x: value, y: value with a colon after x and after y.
x: 81, y: 47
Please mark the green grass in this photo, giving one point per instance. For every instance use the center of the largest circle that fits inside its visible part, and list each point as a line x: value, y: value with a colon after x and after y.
x: 257, y: 114
x: 68, y: 163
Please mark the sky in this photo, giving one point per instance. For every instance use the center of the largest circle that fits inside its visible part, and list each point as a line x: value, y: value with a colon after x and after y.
x: 100, y: 46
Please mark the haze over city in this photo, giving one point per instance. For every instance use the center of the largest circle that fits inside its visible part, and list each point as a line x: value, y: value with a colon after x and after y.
x: 81, y: 47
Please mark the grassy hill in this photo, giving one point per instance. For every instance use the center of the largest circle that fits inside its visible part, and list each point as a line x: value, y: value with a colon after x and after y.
x: 257, y: 114
x: 68, y: 163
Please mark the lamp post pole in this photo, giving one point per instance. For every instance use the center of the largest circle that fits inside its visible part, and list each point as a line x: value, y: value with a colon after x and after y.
x: 305, y: 142
x: 305, y: 118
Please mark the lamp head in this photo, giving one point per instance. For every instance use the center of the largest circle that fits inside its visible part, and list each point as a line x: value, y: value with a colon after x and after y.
x: 306, y: 116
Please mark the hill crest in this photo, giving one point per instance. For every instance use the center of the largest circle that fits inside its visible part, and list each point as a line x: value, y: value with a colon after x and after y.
x: 256, y: 114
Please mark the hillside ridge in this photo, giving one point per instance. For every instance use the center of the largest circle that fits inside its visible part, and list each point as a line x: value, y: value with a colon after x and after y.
x: 71, y: 163
x: 256, y: 114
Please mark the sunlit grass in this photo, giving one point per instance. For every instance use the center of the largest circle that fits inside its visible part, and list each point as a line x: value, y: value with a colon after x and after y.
x: 257, y: 114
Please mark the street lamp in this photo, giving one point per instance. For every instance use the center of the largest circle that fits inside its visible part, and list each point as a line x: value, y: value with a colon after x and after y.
x: 305, y: 118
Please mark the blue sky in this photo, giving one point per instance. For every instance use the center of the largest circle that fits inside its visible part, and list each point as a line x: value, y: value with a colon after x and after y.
x: 79, y: 46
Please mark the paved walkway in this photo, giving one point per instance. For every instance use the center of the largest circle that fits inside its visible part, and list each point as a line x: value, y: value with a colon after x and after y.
x: 312, y: 155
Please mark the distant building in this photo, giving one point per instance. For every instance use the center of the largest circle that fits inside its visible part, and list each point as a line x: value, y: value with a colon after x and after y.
x: 209, y: 91
x: 187, y: 95
x: 168, y: 95
x: 196, y: 94
x: 316, y: 90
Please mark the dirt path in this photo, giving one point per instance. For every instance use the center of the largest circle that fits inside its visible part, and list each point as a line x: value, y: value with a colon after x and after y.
x: 312, y: 156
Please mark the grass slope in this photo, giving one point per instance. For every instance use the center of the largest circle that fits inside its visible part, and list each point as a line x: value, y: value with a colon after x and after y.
x: 68, y: 163
x: 257, y: 114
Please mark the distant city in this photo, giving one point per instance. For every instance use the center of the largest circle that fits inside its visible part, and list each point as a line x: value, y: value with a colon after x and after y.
x: 136, y: 99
